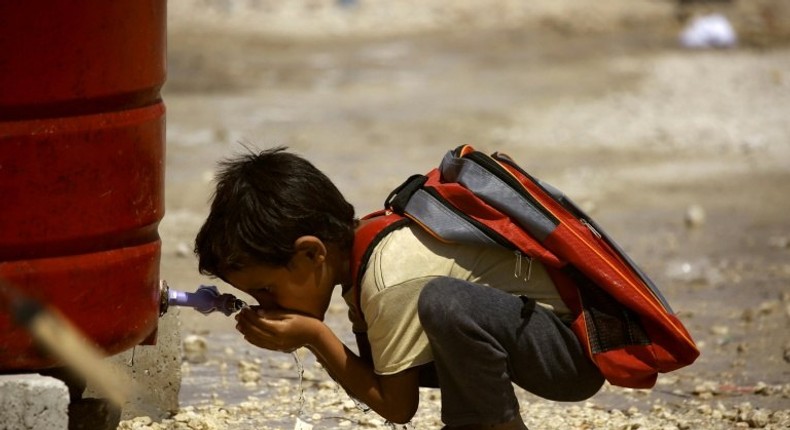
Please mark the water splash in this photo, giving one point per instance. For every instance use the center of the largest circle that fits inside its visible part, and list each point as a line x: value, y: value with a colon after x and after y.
x: 301, y: 417
x: 300, y: 424
x: 300, y: 372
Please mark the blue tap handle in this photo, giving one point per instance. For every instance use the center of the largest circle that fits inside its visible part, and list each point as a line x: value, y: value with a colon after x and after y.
x: 206, y: 299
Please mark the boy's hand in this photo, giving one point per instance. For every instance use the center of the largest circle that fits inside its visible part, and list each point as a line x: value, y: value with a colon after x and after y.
x: 276, y: 329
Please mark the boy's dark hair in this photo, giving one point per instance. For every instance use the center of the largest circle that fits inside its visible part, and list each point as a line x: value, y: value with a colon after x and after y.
x: 263, y: 202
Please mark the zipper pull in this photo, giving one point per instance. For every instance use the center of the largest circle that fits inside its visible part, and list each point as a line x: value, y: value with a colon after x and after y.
x: 591, y: 228
x: 519, y: 265
x: 517, y: 270
x: 529, y: 269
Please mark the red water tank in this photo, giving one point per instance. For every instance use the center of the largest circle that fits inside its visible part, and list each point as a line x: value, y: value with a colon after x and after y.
x: 81, y: 167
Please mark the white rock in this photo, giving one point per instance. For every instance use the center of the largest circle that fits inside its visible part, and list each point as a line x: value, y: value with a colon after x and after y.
x: 695, y: 216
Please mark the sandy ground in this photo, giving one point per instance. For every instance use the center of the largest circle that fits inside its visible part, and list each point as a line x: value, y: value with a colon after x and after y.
x: 683, y: 156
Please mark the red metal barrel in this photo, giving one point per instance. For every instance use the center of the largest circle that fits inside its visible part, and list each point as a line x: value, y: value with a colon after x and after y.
x: 81, y: 167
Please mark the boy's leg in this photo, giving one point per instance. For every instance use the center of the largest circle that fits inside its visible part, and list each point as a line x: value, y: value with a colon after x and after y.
x: 484, y: 339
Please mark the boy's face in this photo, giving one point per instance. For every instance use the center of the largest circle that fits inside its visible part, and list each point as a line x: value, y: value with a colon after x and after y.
x: 295, y: 287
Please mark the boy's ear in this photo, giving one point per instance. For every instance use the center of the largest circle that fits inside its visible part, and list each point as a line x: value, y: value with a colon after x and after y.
x: 311, y: 247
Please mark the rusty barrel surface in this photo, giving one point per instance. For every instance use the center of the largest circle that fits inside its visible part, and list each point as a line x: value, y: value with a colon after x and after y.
x: 81, y: 167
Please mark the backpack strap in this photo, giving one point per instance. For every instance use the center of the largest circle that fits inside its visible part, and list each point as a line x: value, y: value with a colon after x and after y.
x: 401, y: 195
x: 372, y: 229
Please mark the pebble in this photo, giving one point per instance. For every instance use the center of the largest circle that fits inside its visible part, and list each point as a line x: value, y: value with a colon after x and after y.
x: 720, y: 330
x: 757, y: 419
x: 195, y: 347
x: 695, y: 216
x: 183, y: 250
x: 782, y: 242
x: 249, y: 372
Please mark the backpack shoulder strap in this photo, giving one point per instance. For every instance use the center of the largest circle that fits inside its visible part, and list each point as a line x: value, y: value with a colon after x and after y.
x: 372, y: 229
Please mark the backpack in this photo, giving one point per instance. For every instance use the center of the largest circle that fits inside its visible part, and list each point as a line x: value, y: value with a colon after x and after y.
x: 620, y: 317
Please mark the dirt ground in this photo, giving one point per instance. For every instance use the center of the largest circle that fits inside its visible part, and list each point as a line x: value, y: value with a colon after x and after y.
x: 683, y: 156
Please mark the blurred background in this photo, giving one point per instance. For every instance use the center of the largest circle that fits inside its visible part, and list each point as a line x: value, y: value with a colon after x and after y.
x: 681, y: 150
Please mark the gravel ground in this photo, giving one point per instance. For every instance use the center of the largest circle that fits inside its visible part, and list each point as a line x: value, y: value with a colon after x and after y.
x: 683, y: 156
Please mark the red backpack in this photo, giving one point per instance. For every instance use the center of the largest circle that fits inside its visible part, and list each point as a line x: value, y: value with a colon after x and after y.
x: 622, y: 320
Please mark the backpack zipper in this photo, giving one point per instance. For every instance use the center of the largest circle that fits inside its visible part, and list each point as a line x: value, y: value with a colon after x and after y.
x: 487, y: 162
x: 578, y: 215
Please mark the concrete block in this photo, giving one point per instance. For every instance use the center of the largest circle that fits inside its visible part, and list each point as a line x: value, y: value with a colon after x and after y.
x: 33, y: 402
x: 155, y: 370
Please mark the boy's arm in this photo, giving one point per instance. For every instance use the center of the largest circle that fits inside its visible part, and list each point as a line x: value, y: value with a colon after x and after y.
x: 394, y: 397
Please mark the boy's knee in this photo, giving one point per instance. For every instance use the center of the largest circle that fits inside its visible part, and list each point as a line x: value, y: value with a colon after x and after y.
x: 583, y: 387
x: 590, y: 387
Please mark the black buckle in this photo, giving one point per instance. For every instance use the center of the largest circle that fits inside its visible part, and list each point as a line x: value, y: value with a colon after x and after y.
x: 400, y: 196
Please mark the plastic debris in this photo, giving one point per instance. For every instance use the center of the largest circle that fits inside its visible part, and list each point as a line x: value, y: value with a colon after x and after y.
x: 709, y: 31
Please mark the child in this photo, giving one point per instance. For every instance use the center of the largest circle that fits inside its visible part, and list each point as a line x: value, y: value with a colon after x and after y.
x: 435, y: 314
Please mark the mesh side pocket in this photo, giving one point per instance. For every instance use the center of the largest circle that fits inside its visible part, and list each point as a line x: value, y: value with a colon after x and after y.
x: 610, y: 325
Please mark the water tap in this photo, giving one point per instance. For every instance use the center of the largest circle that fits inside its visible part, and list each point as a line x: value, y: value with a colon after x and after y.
x: 205, y: 300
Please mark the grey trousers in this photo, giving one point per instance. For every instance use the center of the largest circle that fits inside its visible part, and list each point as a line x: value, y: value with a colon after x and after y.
x: 483, y: 340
